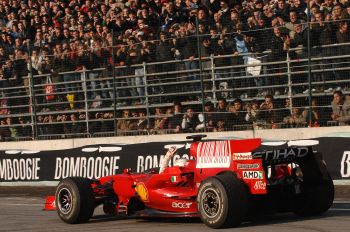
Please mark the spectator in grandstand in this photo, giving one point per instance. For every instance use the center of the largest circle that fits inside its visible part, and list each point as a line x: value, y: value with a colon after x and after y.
x: 315, y: 115
x: 282, y: 11
x: 8, y: 72
x: 261, y: 33
x: 164, y: 52
x: 58, y: 129
x: 82, y: 120
x: 63, y: 63
x: 142, y: 122
x: 190, y: 121
x: 13, y: 129
x: 106, y: 122
x: 170, y: 15
x: 100, y: 55
x: 206, y: 51
x: 242, y: 58
x: 298, y: 38
x: 174, y: 122
x: 74, y: 127
x: 295, y: 119
x: 209, y: 118
x: 186, y: 45
x: 268, y: 112
x: 299, y: 6
x: 5, y: 133
x: 222, y: 9
x: 135, y: 118
x: 285, y: 111
x: 341, y: 109
x: 25, y: 129
x: 120, y: 59
x: 123, y: 124
x: 279, y: 45
x: 222, y: 45
x: 41, y: 129
x: 253, y: 113
x: 82, y: 60
x: 343, y: 36
x: 36, y: 62
x: 322, y: 34
x: 221, y: 116
x: 158, y: 121
x: 135, y: 57
x: 165, y: 120
x: 293, y: 19
x: 236, y: 115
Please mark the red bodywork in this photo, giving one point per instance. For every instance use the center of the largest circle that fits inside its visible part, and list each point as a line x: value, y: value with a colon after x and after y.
x: 173, y: 192
x: 175, y: 189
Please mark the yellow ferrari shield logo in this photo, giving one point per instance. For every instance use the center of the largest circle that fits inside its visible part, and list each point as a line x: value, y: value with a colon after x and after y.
x: 142, y: 191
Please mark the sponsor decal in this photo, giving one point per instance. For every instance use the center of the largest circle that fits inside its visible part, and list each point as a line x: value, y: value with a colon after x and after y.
x: 282, y: 155
x: 248, y: 166
x: 215, y: 154
x: 254, y: 175
x: 142, y: 191
x: 181, y: 205
x: 260, y: 185
x: 92, y: 167
x: 345, y: 164
x: 242, y: 156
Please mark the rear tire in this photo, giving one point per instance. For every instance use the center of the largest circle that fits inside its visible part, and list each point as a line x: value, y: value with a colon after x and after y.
x: 75, y: 200
x: 222, y: 201
x: 317, y: 188
x: 315, y: 199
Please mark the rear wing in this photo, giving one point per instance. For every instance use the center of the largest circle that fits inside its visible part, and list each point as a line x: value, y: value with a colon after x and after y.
x: 283, y: 155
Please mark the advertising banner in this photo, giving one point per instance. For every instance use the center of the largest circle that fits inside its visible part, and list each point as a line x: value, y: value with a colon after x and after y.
x: 96, y: 161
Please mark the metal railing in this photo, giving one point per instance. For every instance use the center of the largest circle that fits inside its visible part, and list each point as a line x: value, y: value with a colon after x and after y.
x: 81, y: 103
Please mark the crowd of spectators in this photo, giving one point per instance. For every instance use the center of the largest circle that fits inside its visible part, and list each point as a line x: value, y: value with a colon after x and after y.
x: 69, y: 35
x: 42, y: 36
x: 225, y: 116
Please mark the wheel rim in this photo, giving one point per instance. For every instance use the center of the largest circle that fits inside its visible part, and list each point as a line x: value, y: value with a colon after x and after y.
x: 64, y: 201
x: 211, y: 202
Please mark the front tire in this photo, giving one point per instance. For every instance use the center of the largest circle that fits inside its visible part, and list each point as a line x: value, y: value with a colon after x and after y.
x: 222, y: 201
x: 75, y: 200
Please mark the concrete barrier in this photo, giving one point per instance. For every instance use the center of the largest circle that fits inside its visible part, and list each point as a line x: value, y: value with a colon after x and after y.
x: 275, y: 134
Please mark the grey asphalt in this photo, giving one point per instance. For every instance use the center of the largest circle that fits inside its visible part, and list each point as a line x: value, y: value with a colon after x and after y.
x: 21, y: 210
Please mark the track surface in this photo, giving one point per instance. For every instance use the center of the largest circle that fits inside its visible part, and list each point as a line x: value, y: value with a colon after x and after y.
x: 22, y: 211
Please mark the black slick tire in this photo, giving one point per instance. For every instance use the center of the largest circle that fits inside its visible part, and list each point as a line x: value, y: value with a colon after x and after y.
x: 315, y: 199
x: 75, y: 202
x: 222, y: 201
x: 317, y: 188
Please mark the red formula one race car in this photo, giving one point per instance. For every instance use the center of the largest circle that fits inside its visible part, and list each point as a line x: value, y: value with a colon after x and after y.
x: 223, y: 183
